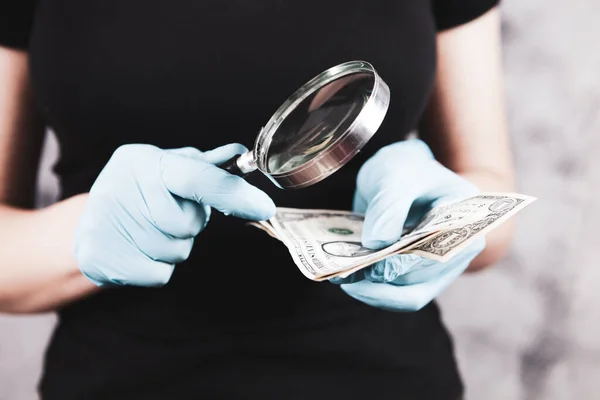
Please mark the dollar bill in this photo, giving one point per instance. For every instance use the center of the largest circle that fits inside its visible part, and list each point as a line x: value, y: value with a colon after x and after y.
x: 458, y: 225
x: 327, y: 243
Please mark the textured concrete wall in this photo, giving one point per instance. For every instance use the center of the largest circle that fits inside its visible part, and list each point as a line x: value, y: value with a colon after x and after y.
x: 528, y: 329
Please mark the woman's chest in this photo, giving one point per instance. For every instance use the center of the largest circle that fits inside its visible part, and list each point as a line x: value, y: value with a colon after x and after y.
x: 134, y: 70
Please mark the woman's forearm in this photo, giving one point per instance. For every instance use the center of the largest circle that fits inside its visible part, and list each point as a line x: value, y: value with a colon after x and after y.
x: 465, y: 120
x: 37, y: 268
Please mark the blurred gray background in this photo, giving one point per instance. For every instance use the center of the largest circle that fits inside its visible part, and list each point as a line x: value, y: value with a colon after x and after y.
x: 529, y: 328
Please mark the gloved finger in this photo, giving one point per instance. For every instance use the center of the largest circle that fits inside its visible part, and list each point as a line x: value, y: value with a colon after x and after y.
x: 177, y: 217
x: 383, y: 271
x: 375, y: 172
x: 192, y: 226
x: 205, y: 183
x: 411, y: 297
x: 186, y: 151
x: 194, y: 218
x: 388, y: 214
x: 359, y: 203
x: 214, y: 156
x: 412, y: 219
x: 429, y: 269
x: 223, y: 153
x: 352, y: 278
x: 391, y: 268
x: 138, y: 166
x: 103, y: 266
x: 391, y: 194
x: 384, y: 219
x: 153, y: 274
x: 171, y: 251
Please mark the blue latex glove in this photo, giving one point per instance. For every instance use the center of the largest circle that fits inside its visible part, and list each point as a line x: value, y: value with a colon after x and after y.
x: 395, y: 188
x: 147, y: 206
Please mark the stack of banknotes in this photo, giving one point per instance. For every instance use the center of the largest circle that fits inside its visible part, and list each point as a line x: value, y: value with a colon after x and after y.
x: 327, y: 243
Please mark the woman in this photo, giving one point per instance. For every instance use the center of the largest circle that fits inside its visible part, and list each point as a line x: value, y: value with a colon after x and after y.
x: 162, y: 290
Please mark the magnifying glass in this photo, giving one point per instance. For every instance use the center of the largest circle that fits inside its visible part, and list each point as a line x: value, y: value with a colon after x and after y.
x: 319, y: 128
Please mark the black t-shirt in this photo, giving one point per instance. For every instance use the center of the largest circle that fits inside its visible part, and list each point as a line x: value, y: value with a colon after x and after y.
x: 237, y: 320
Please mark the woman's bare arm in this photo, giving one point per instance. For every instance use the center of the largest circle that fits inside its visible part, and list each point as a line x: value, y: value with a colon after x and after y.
x: 464, y: 122
x: 37, y: 269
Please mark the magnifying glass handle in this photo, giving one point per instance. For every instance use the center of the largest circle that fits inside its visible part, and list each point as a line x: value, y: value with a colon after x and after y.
x: 240, y: 165
x: 232, y: 167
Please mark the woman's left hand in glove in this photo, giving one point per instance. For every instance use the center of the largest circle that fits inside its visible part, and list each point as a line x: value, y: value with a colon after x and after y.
x: 395, y: 188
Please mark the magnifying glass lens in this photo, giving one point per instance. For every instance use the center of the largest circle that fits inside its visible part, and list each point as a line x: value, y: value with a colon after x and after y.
x: 317, y: 121
x: 319, y: 128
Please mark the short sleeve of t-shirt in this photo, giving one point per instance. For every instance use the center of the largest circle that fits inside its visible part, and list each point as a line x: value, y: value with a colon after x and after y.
x: 451, y: 13
x: 16, y: 18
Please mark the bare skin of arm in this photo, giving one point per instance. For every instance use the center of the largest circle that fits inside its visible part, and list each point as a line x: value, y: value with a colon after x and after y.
x: 38, y: 272
x: 464, y: 123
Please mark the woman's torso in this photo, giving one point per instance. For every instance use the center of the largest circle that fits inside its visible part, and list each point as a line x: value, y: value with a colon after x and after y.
x: 238, y: 317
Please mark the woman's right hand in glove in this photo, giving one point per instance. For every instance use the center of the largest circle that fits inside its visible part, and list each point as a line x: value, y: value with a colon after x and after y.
x: 147, y: 206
